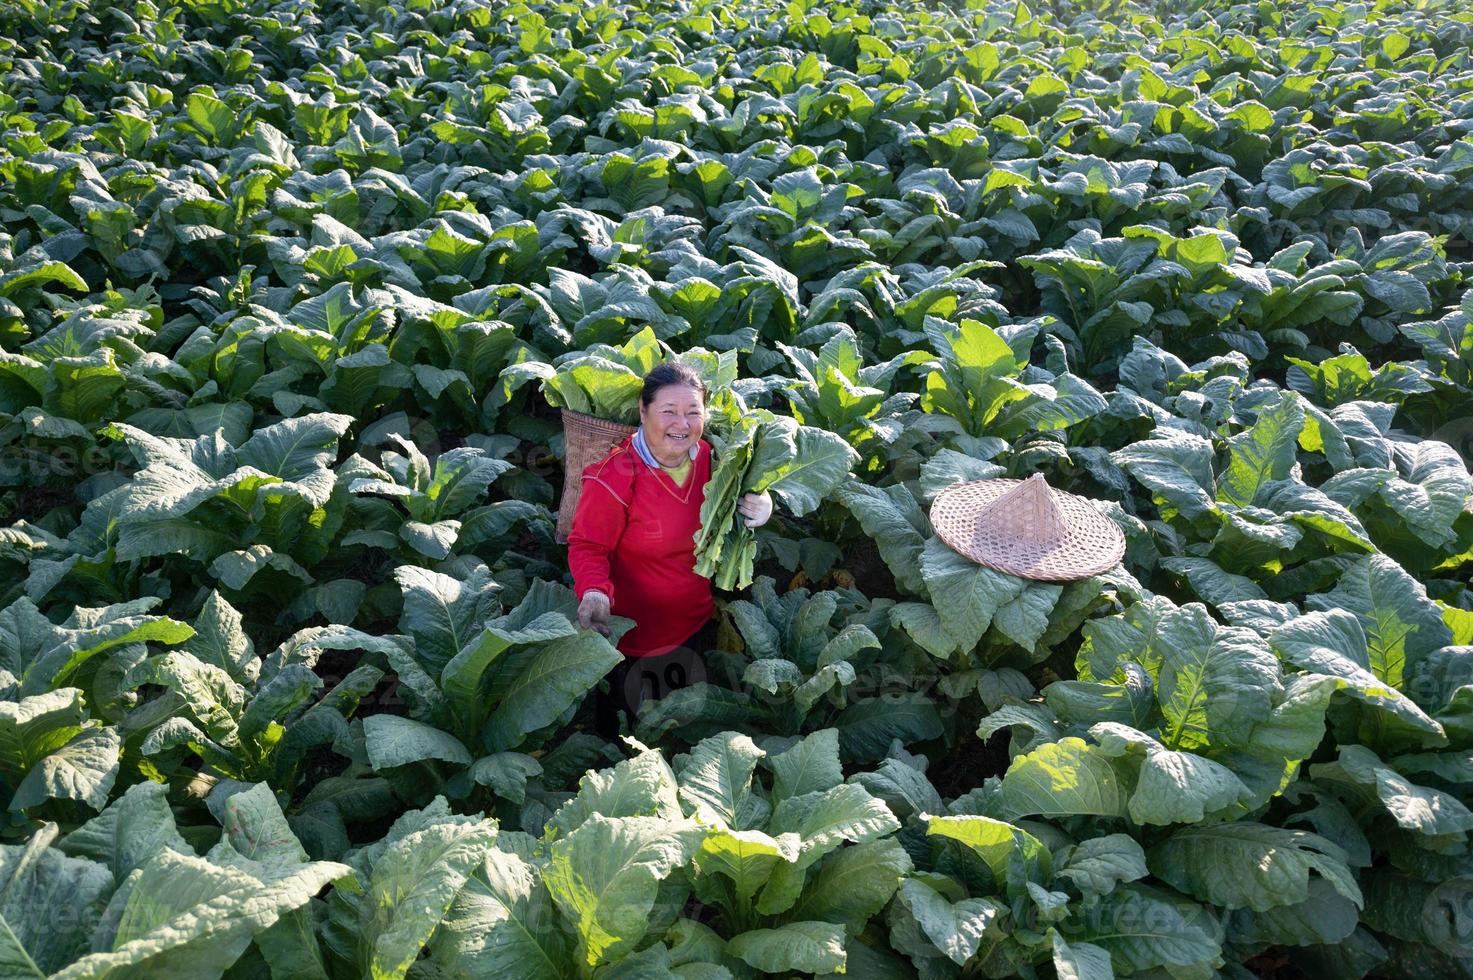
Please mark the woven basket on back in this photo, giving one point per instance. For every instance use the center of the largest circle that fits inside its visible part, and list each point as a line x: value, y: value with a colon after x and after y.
x: 586, y: 440
x: 1027, y: 528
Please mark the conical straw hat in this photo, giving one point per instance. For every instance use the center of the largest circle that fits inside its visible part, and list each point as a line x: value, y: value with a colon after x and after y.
x: 1027, y: 528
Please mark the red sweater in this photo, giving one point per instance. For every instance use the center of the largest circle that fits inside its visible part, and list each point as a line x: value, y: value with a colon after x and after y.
x: 633, y: 539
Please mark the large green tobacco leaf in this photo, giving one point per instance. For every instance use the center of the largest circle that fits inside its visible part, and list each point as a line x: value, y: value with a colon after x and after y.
x: 220, y: 639
x: 733, y: 866
x: 1095, y: 866
x: 256, y: 838
x: 1065, y: 401
x: 462, y: 678
x: 868, y: 727
x: 1420, y: 809
x: 1334, y: 643
x: 955, y: 928
x: 1410, y: 501
x: 1401, y: 624
x: 395, y: 741
x: 184, y: 917
x: 1289, y: 734
x: 1013, y: 855
x: 83, y: 769
x: 1285, y: 511
x: 978, y: 376
x: 1064, y: 778
x: 1171, y: 787
x: 255, y: 835
x: 1142, y: 928
x: 50, y: 749
x: 1250, y: 865
x: 459, y: 479
x: 33, y: 727
x: 604, y: 877
x: 503, y: 923
x: 532, y: 692
x: 746, y: 857
x: 809, y: 766
x: 809, y: 947
x: 443, y: 613
x: 296, y: 448
x: 132, y: 829
x: 891, y: 518
x: 407, y: 882
x: 431, y: 540
x: 1263, y: 453
x: 1128, y: 701
x: 412, y: 886
x: 1176, y: 467
x: 819, y: 462
x: 1135, y: 636
x: 1080, y: 961
x: 923, y: 623
x: 506, y: 773
x: 823, y: 821
x: 853, y: 884
x: 1025, y: 618
x: 1214, y: 683
x: 717, y: 780
x: 51, y: 903
x: 85, y: 386
x: 31, y: 274
x: 207, y: 693
x: 832, y: 392
x: 42, y: 655
x: 1326, y: 917
x: 642, y: 786
x: 966, y: 595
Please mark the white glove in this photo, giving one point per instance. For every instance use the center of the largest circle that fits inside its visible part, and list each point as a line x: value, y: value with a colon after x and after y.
x: 593, y: 612
x: 756, y: 508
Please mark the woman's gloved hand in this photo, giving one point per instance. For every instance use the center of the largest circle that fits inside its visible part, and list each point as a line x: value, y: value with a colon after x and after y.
x: 593, y: 612
x: 756, y: 508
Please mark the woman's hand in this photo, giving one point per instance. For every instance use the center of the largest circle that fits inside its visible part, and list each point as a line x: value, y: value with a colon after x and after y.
x: 593, y: 612
x: 756, y: 508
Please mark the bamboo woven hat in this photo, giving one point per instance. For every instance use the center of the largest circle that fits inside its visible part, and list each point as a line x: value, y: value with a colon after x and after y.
x: 1027, y: 528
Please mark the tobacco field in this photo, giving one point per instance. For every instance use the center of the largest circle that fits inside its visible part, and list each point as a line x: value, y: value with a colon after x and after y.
x: 291, y: 683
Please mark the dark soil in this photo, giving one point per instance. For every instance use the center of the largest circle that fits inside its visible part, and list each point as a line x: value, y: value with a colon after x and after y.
x: 34, y: 502
x: 321, y: 763
x: 1275, y: 964
x: 334, y: 665
x: 872, y: 576
x: 971, y: 761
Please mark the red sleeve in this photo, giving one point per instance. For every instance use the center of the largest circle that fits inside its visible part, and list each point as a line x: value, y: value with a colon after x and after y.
x: 598, y: 523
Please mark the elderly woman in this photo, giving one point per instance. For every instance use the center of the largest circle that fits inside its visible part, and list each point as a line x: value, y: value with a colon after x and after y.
x: 632, y: 545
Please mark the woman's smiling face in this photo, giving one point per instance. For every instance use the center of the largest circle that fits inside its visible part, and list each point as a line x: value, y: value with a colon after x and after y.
x: 673, y: 422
